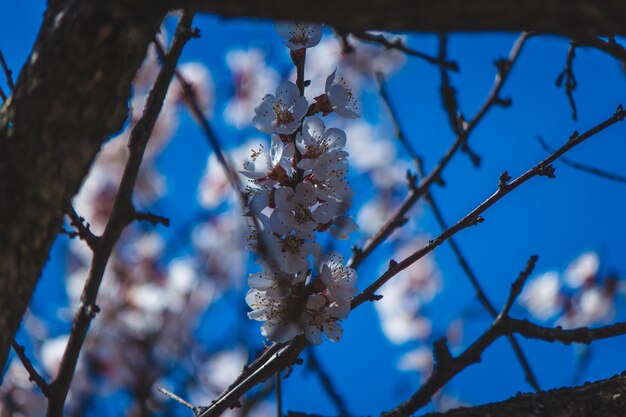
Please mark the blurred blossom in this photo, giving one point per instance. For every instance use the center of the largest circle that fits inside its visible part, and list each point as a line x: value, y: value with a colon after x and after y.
x: 597, y: 306
x: 541, y: 296
x: 373, y: 215
x: 252, y: 80
x: 52, y: 352
x: 223, y: 367
x: 374, y: 153
x: 403, y: 297
x: 214, y: 186
x: 223, y: 259
x: 359, y: 66
x: 581, y: 298
x: 199, y: 79
x: 583, y: 270
x: 420, y: 359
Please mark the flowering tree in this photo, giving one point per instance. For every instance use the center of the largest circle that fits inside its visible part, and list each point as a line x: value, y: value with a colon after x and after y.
x: 147, y: 306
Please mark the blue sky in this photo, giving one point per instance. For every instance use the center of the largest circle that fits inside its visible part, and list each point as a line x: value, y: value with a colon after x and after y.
x: 555, y: 218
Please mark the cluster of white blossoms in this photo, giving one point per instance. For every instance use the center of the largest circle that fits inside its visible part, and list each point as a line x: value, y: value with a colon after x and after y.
x: 298, y: 188
x: 579, y: 296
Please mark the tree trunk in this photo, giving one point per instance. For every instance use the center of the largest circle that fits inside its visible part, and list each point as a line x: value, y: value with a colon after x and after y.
x: 71, y: 95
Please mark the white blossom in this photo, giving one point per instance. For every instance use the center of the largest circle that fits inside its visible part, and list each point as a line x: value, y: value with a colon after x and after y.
x: 318, y: 317
x: 339, y: 281
x: 341, y: 99
x: 282, y: 113
x: 299, y: 35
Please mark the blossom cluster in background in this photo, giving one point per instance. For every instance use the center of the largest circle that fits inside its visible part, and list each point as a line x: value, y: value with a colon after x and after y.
x: 579, y: 296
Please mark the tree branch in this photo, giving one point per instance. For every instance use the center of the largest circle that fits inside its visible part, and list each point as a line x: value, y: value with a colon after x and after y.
x: 566, y: 17
x: 122, y: 214
x: 416, y: 192
x: 428, y: 196
x: 71, y: 95
x: 285, y: 355
x: 543, y: 168
x: 33, y: 375
x: 582, y: 167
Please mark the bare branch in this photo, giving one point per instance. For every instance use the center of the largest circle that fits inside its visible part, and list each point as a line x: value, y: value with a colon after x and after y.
x: 543, y: 168
x: 7, y: 72
x: 417, y: 192
x: 33, y: 375
x: 611, y: 47
x: 582, y: 167
x: 480, y: 293
x: 444, y: 371
x: 286, y: 355
x: 570, y: 79
x: 68, y: 99
x: 122, y: 214
x: 568, y: 17
x: 399, y: 45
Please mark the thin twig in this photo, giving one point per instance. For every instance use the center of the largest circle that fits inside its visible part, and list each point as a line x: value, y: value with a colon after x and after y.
x: 7, y: 72
x: 177, y: 399
x: 327, y: 383
x: 543, y: 168
x: 502, y: 326
x: 443, y: 372
x: 582, y: 167
x: 396, y: 219
x: 450, y: 103
x: 279, y: 396
x: 82, y: 228
x: 285, y: 356
x: 122, y: 214
x: 33, y: 375
x: 570, y: 80
x: 399, y: 45
x: 428, y: 196
x: 611, y: 47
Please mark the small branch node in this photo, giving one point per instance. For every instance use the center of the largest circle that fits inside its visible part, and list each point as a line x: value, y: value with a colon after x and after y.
x: 411, y: 180
x: 546, y: 171
x: 90, y: 310
x: 503, y: 102
x: 151, y: 218
x: 478, y: 220
x: 374, y: 297
x: 433, y: 243
x: 620, y: 113
x: 443, y: 357
x: 504, y: 180
x: 503, y: 65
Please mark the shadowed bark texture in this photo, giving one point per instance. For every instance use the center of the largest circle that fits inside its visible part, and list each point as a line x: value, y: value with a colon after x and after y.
x: 565, y: 17
x: 606, y: 398
x: 71, y: 95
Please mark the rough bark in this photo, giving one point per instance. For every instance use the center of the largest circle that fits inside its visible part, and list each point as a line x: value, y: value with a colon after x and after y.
x: 70, y: 96
x: 605, y: 398
x: 565, y: 17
